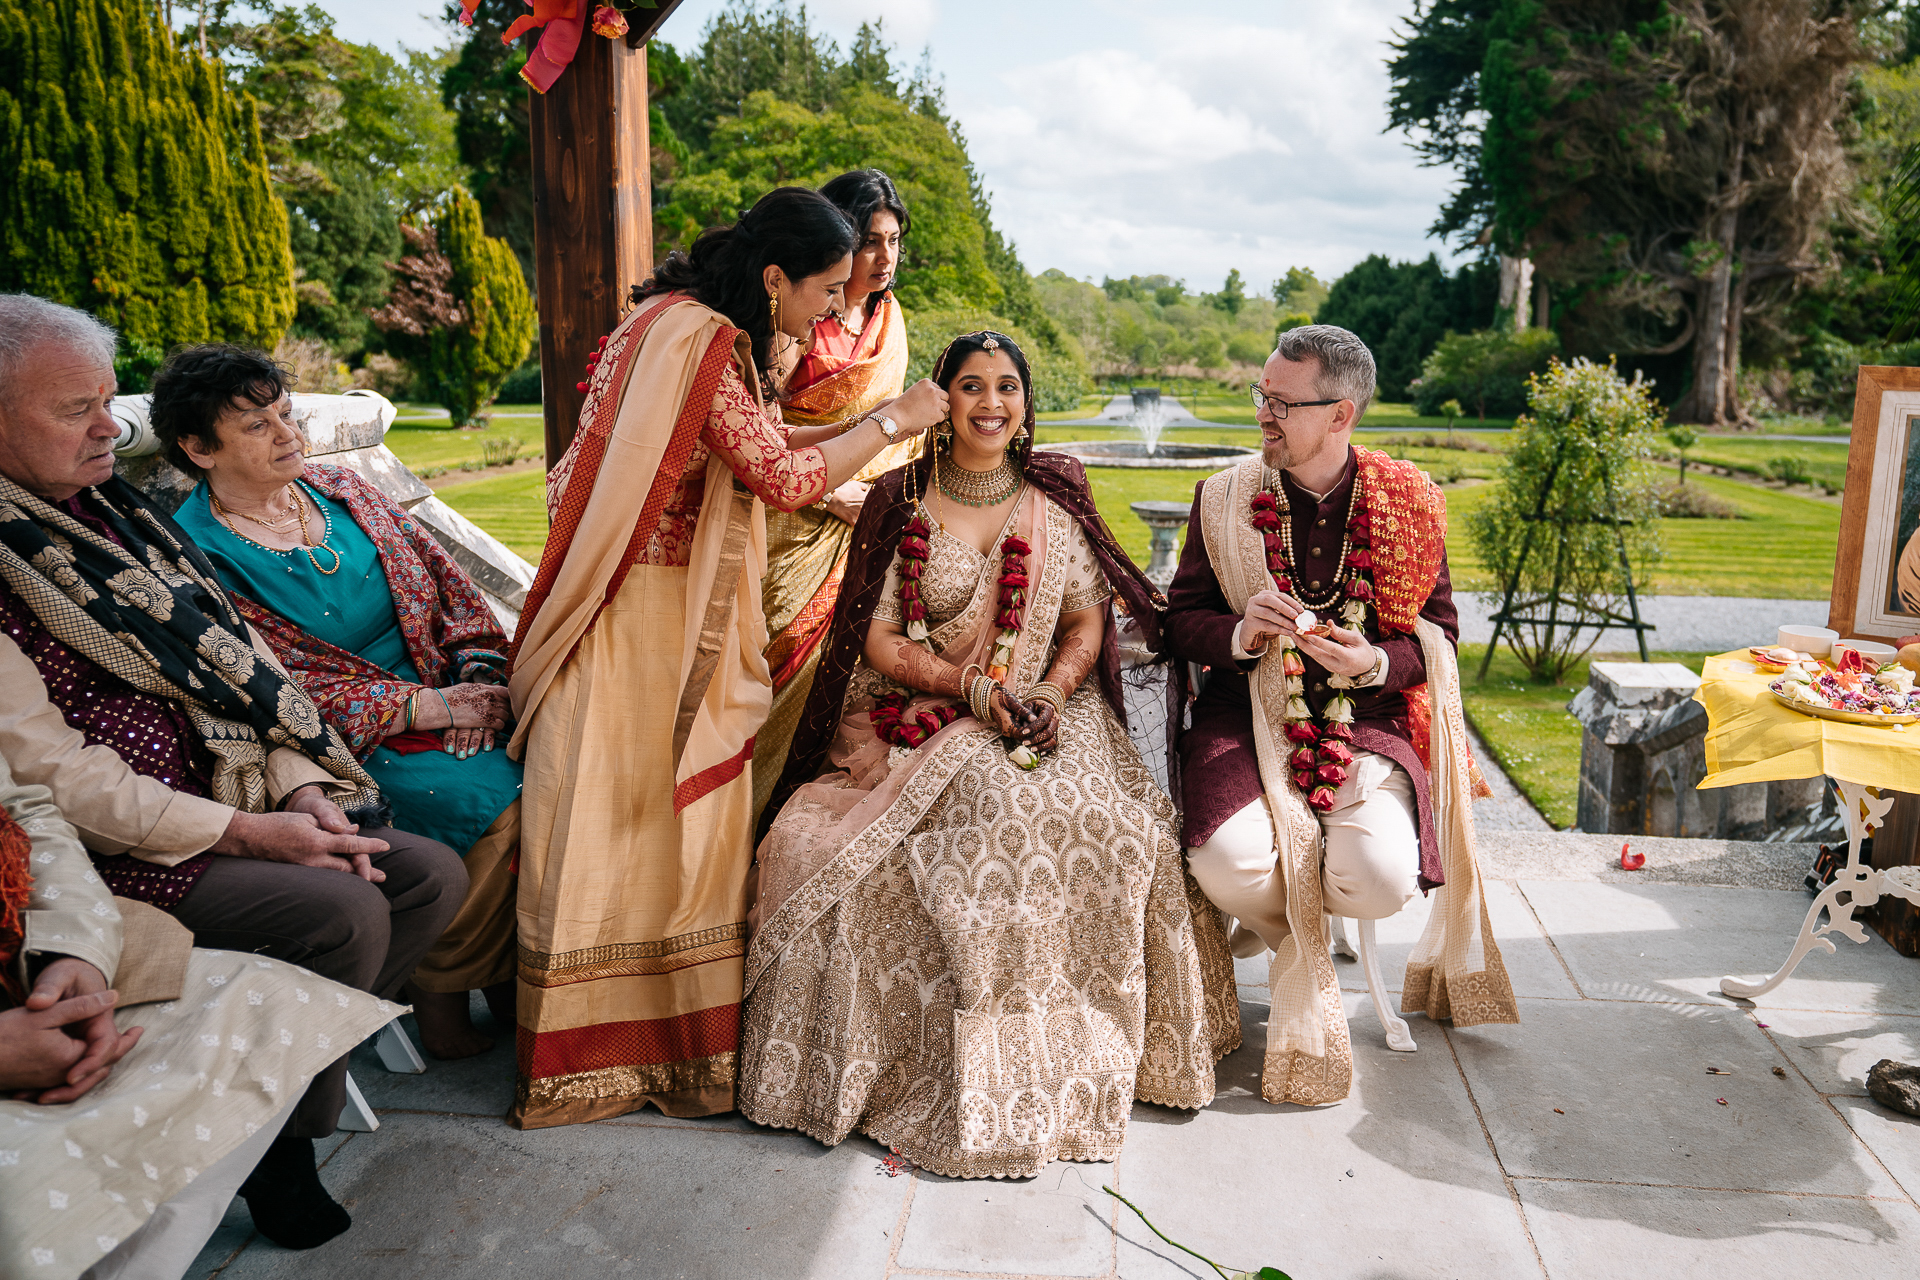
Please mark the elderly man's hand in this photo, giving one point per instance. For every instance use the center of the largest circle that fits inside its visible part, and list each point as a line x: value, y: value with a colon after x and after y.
x: 310, y: 832
x: 62, y: 1041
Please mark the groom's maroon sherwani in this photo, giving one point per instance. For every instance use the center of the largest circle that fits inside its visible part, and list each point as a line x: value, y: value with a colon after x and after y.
x: 1220, y: 770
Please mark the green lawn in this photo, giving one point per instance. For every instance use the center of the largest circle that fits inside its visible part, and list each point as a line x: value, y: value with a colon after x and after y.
x: 1825, y: 463
x: 1783, y: 550
x: 1533, y: 738
x: 1089, y: 407
x: 426, y: 442
x: 511, y: 508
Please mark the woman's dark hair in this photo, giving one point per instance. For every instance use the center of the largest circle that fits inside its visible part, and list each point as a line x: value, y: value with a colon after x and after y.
x: 800, y: 231
x: 947, y: 367
x: 863, y: 193
x: 199, y: 383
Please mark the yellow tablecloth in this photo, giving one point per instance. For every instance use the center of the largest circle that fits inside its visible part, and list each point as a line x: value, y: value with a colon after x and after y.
x: 1751, y: 737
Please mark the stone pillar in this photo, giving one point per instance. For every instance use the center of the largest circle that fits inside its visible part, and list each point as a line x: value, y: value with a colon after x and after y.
x: 1643, y: 755
x: 1166, y: 519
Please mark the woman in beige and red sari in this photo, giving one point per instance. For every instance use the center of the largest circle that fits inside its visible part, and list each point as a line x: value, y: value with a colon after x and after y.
x: 856, y: 358
x: 638, y: 676
x: 975, y: 937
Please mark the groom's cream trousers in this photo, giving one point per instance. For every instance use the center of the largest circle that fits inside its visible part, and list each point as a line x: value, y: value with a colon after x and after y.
x: 1369, y: 871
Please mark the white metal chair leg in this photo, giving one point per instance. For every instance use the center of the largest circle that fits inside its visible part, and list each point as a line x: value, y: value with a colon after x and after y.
x: 357, y: 1115
x: 1398, y: 1037
x: 1337, y: 926
x: 396, y: 1051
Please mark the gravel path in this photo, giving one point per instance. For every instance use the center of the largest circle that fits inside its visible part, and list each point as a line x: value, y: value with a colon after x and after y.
x: 1507, y: 810
x: 1686, y: 624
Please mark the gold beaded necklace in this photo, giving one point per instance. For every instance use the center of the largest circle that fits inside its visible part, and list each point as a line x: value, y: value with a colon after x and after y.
x: 226, y: 514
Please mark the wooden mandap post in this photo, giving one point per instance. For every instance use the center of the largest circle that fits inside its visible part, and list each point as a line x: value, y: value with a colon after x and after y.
x: 592, y: 210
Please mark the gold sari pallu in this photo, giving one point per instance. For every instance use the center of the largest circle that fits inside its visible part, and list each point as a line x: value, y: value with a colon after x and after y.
x: 636, y: 823
x: 807, y: 549
x: 1455, y: 971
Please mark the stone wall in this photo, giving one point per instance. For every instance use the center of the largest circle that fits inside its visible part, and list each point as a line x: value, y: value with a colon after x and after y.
x: 1643, y: 756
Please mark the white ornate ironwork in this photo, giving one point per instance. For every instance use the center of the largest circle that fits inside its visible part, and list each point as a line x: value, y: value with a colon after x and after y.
x: 1856, y: 885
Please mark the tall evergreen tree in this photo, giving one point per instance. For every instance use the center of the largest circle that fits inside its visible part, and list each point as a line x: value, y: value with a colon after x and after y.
x: 137, y: 186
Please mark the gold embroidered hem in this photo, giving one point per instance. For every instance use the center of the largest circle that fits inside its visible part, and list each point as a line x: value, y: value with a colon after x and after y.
x: 685, y: 1090
x: 630, y: 959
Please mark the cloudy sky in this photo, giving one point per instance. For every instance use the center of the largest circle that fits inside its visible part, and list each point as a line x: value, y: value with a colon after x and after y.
x: 1131, y: 136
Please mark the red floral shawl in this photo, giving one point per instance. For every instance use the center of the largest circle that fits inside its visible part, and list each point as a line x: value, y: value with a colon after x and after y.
x: 451, y: 633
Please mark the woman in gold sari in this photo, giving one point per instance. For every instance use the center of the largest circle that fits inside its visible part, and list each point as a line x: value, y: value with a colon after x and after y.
x: 637, y: 674
x: 855, y: 358
x: 979, y: 956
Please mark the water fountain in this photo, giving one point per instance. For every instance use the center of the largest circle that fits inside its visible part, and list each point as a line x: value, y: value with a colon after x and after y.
x: 1151, y: 417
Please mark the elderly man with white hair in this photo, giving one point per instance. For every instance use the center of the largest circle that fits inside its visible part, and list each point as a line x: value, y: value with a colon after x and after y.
x: 1325, y: 770
x: 199, y: 776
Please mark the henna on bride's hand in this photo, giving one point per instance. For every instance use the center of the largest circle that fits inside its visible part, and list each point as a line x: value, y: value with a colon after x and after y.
x: 1071, y: 662
x: 1010, y: 716
x: 914, y: 667
x: 1045, y: 731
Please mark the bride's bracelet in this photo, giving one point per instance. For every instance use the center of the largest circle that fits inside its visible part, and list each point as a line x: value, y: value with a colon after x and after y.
x: 980, y: 698
x: 1051, y: 694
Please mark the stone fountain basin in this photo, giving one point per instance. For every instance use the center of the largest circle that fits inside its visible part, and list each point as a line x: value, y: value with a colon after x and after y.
x: 1133, y: 453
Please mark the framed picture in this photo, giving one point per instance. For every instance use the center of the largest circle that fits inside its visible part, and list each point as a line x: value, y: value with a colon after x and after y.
x: 1876, y: 570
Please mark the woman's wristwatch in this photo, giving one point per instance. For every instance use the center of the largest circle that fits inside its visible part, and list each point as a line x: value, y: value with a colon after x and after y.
x: 888, y: 427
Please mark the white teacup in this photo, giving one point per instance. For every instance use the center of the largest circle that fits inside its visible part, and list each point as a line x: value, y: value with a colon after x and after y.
x: 1816, y: 642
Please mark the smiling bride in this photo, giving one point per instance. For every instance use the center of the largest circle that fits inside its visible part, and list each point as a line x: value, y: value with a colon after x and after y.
x: 975, y: 938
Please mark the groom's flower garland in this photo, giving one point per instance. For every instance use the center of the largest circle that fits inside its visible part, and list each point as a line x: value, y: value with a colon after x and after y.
x: 1321, y: 752
x: 889, y: 724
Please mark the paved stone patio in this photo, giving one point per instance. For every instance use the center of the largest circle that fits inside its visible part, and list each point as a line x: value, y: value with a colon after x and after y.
x: 1588, y: 1141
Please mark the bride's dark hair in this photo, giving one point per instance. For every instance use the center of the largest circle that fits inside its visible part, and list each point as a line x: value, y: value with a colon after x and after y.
x: 800, y: 231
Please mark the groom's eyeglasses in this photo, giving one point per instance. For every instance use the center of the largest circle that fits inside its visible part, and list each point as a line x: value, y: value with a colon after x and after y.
x: 1278, y: 407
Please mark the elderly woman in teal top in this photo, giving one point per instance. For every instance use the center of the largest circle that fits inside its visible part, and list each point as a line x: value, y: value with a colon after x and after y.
x: 393, y: 642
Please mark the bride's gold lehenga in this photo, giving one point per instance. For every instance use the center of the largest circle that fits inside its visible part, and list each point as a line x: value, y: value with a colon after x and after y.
x: 980, y: 966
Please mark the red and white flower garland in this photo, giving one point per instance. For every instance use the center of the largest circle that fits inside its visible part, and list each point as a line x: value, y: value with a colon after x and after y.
x: 888, y: 722
x: 1322, y: 751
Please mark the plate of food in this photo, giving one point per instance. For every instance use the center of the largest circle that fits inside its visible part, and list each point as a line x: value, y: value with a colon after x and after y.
x: 1881, y: 697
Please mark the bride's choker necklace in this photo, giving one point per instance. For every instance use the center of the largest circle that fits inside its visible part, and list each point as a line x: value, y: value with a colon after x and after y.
x: 977, y: 488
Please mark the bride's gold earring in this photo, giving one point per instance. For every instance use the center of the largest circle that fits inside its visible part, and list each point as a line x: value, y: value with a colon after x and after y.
x: 773, y: 311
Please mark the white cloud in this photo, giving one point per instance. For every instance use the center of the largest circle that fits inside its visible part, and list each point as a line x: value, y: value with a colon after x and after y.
x: 1215, y: 145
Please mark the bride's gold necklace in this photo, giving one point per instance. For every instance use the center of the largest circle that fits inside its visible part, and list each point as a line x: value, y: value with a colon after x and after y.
x: 226, y: 514
x: 977, y: 488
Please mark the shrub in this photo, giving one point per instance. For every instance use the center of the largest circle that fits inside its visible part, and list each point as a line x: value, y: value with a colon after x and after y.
x: 1575, y: 487
x: 523, y: 384
x: 1789, y: 470
x: 460, y: 312
x: 1432, y: 441
x: 1059, y: 372
x: 499, y: 453
x: 1486, y: 370
x: 385, y: 375
x: 1691, y: 502
x: 316, y: 370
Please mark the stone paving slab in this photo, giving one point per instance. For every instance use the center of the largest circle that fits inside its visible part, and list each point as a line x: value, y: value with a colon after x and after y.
x: 1327, y: 1192
x: 1675, y: 942
x: 442, y: 1196
x: 1619, y: 1092
x: 1588, y: 1232
x: 1449, y: 1162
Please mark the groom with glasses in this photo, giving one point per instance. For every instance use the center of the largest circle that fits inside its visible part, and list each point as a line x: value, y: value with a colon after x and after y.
x: 1303, y: 578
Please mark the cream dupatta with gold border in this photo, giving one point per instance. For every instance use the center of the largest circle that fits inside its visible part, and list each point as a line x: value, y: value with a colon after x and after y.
x: 982, y: 967
x: 1455, y: 971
